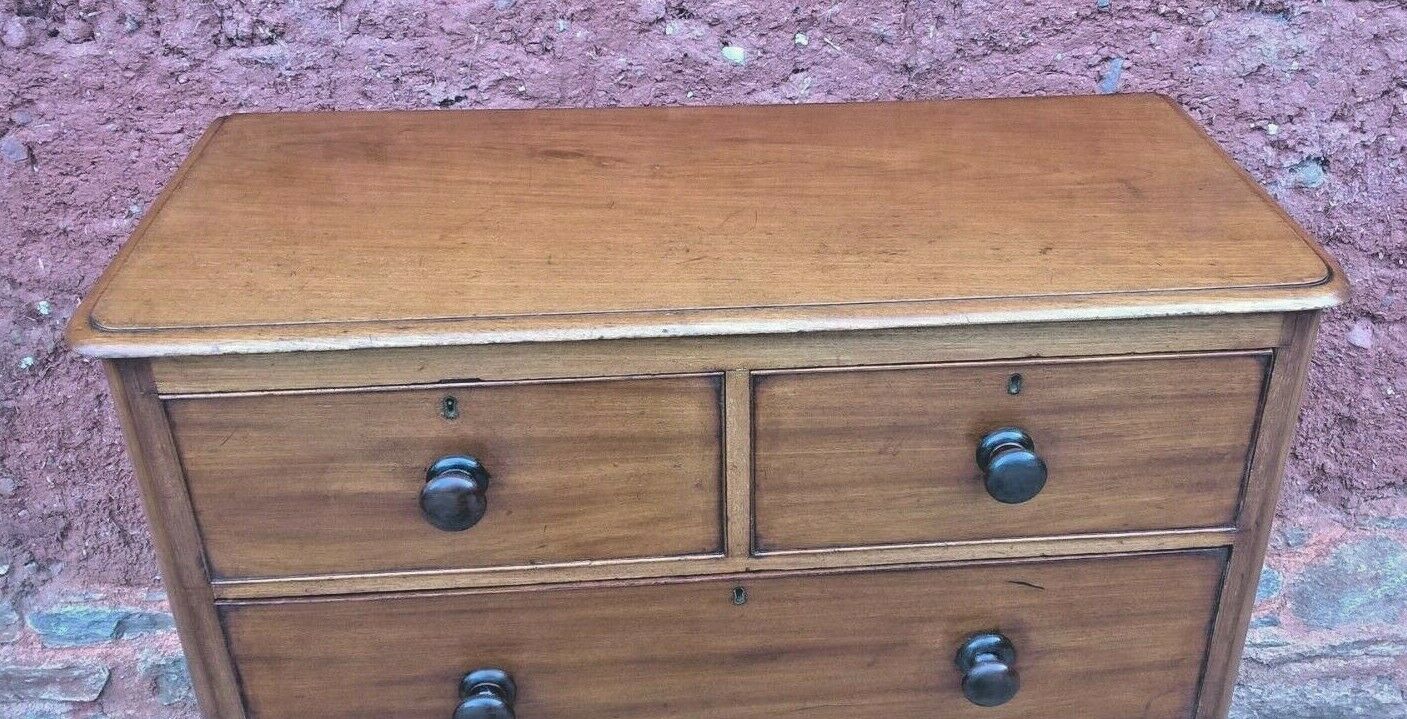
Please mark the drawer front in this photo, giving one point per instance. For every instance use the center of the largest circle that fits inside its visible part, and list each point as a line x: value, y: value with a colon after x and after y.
x: 325, y: 483
x: 888, y: 456
x: 1094, y: 638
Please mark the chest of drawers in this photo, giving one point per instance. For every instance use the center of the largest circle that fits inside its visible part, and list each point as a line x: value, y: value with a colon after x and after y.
x: 965, y: 409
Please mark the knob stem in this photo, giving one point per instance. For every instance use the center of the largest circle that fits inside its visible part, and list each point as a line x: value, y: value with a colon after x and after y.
x: 486, y: 694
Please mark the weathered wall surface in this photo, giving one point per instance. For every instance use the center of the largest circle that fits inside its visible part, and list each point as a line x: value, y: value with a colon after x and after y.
x: 100, y: 100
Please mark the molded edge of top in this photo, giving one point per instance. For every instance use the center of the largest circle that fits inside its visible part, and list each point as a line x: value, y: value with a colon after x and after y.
x: 699, y: 323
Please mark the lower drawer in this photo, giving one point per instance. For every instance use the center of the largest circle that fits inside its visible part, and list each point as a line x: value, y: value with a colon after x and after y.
x: 1106, y: 638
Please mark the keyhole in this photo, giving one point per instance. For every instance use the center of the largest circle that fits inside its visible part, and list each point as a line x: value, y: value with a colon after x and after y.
x: 739, y: 596
x: 449, y: 408
x: 1013, y: 385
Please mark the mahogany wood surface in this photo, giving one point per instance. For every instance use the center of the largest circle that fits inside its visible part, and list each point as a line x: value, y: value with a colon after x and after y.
x: 886, y: 455
x: 727, y: 370
x: 1277, y: 431
x: 359, y: 368
x: 308, y: 483
x: 1071, y: 545
x: 175, y: 537
x: 1096, y: 639
x: 738, y: 452
x: 288, y: 231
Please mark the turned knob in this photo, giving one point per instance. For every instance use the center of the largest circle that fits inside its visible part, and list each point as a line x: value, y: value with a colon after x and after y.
x: 454, y: 497
x: 1011, y: 469
x: 988, y: 676
x: 486, y: 694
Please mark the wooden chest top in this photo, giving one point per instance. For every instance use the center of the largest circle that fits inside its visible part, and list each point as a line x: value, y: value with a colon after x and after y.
x: 844, y: 411
x: 349, y: 230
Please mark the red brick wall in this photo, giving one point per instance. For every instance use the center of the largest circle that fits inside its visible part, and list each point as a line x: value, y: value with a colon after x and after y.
x: 100, y: 100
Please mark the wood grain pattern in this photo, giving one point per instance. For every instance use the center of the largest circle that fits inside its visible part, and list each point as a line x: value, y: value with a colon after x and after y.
x: 361, y: 368
x: 175, y: 537
x: 701, y: 349
x: 579, y: 224
x: 853, y: 458
x: 311, y: 483
x: 737, y: 411
x: 1277, y: 431
x: 1097, y: 639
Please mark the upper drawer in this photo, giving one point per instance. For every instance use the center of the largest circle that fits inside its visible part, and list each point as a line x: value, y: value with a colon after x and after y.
x: 331, y: 482
x: 889, y: 455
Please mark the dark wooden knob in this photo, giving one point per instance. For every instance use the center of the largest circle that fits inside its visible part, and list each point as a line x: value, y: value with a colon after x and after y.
x: 454, y: 497
x: 989, y: 676
x: 486, y: 694
x: 1011, y: 469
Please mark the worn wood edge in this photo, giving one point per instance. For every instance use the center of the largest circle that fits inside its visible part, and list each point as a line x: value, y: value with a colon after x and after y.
x: 696, y: 323
x: 1272, y: 448
x: 1176, y: 538
x: 434, y: 365
x: 941, y: 553
x: 737, y: 481
x: 176, y: 538
x: 739, y: 576
x: 82, y: 332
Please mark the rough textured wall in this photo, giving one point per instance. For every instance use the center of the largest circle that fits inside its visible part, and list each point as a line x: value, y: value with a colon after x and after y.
x: 99, y: 101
